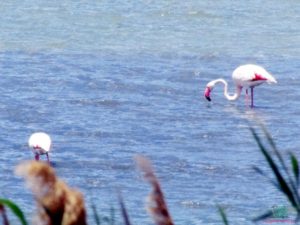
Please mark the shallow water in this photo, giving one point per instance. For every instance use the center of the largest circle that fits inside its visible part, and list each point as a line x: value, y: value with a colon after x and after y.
x: 110, y: 80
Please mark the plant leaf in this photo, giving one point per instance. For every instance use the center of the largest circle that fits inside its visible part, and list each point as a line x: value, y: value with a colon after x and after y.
x: 223, y: 215
x: 262, y: 173
x: 123, y: 210
x: 15, y: 209
x: 284, y: 187
x: 96, y: 215
x: 289, y: 179
x: 295, y: 166
x: 264, y: 216
x: 112, y: 215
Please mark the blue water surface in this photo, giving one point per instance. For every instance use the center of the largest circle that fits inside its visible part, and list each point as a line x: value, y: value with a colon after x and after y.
x: 109, y: 80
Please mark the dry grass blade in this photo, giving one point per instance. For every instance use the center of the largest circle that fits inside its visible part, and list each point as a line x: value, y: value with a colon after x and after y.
x: 157, y: 206
x: 56, y: 202
x: 4, y: 216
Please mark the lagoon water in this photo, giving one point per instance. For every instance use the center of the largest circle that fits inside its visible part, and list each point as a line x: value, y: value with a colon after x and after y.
x: 109, y: 80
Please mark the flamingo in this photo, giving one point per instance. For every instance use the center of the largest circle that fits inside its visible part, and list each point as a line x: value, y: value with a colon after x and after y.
x: 247, y: 76
x: 40, y: 143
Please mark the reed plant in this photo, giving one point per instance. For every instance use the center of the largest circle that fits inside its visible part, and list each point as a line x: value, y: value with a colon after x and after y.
x: 58, y: 204
x: 156, y: 204
x: 103, y: 220
x: 123, y: 210
x: 285, y: 177
x: 223, y: 215
x: 14, y: 208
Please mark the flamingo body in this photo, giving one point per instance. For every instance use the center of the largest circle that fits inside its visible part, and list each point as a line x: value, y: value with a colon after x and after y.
x: 245, y: 76
x: 40, y: 143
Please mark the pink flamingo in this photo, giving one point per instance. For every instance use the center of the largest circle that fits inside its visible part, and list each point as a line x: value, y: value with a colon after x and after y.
x: 247, y: 76
x: 40, y: 143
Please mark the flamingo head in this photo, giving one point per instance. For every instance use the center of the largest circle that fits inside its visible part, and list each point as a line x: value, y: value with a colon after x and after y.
x: 208, y: 89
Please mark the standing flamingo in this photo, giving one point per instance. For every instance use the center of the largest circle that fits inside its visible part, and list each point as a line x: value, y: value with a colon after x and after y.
x: 40, y: 144
x: 247, y: 76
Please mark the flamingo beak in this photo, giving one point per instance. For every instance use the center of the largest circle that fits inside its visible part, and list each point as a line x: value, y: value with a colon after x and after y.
x: 207, y: 93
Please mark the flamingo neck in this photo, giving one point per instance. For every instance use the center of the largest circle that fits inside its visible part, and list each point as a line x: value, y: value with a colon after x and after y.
x: 229, y: 97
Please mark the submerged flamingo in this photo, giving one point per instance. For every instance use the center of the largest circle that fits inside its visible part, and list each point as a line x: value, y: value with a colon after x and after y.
x: 247, y: 76
x: 40, y: 144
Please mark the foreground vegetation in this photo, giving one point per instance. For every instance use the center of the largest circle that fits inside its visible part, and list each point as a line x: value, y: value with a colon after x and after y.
x: 59, y: 204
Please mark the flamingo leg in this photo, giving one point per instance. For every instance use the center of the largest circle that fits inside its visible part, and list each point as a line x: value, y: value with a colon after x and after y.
x: 37, y: 157
x: 252, y: 95
x: 246, y: 97
x: 47, y: 157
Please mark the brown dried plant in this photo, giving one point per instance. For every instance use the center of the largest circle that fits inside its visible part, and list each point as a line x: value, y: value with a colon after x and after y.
x: 156, y: 204
x: 4, y: 216
x: 57, y: 203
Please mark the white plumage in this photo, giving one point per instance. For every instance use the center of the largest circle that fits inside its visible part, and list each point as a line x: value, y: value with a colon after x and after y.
x: 247, y: 76
x: 40, y: 143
